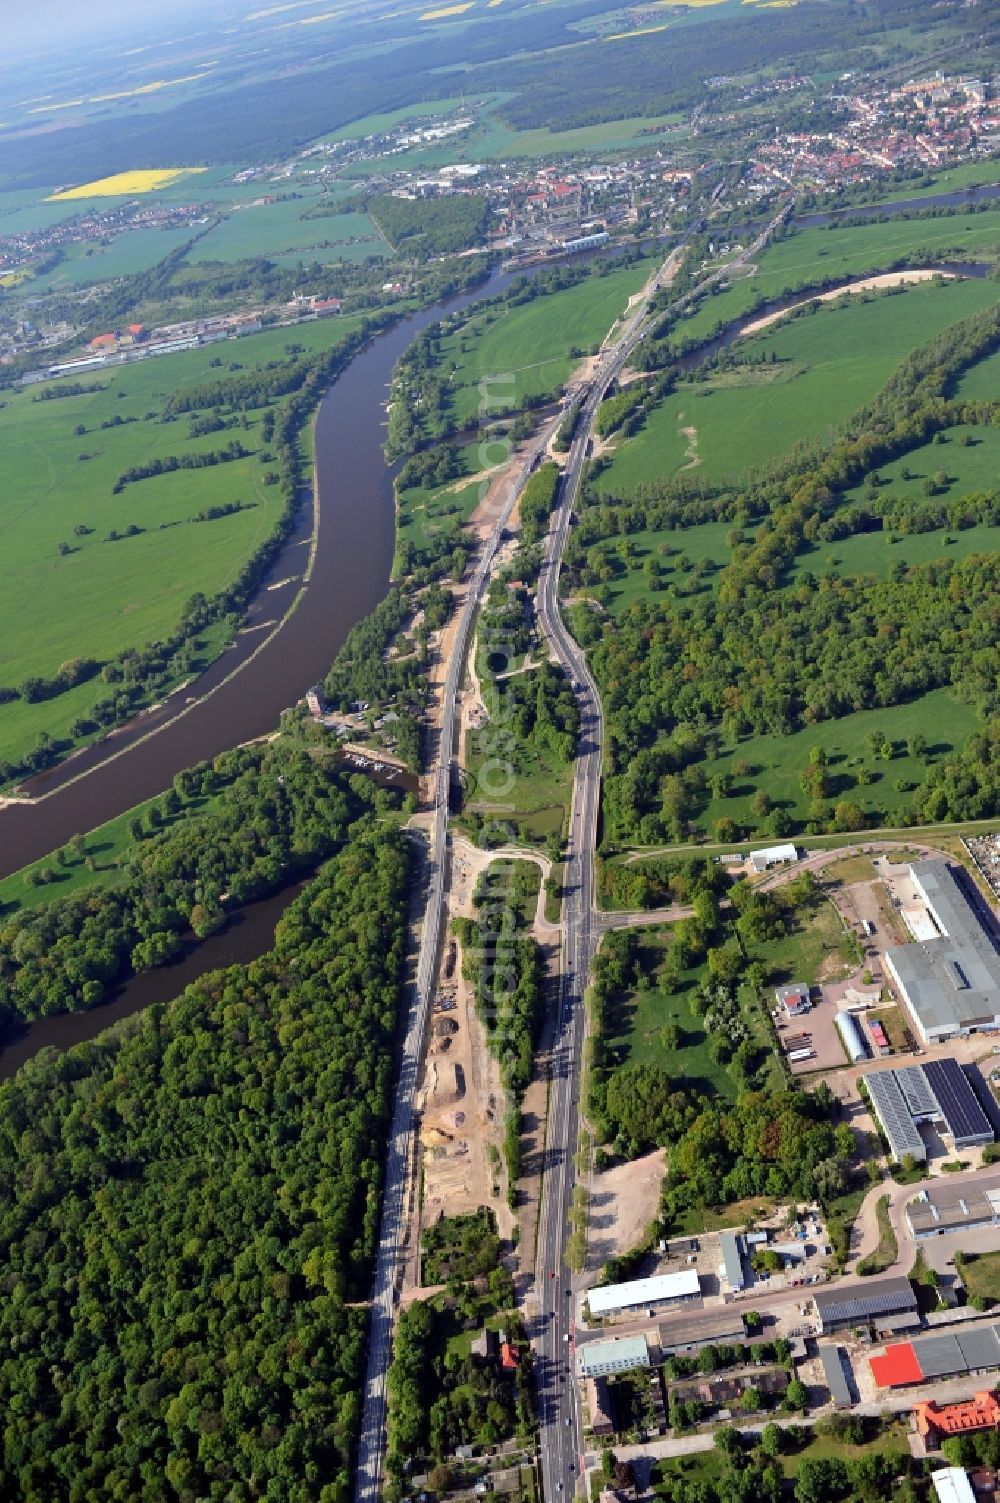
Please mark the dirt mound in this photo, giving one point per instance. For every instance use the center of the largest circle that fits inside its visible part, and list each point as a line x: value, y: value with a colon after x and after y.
x: 445, y: 1084
x: 444, y: 1026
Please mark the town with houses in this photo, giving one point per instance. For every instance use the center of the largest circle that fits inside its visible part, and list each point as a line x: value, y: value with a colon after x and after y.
x: 868, y: 132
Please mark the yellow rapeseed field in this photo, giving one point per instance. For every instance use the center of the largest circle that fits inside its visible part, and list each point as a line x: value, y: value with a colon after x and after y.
x: 447, y: 10
x: 123, y: 184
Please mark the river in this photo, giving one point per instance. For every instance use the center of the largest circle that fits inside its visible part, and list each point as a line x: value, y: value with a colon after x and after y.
x: 355, y: 537
x: 248, y: 933
x: 243, y: 694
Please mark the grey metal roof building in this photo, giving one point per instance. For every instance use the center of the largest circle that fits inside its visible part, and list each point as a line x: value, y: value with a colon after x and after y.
x: 688, y: 1333
x: 950, y: 983
x: 939, y: 1356
x: 836, y: 1378
x: 866, y: 1304
x: 731, y: 1247
x: 939, y: 1092
x: 980, y: 1347
x: 955, y: 1207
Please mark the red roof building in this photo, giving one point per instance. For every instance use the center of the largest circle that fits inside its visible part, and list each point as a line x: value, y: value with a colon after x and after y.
x: 510, y: 1357
x: 102, y: 341
x: 935, y: 1424
x: 897, y: 1367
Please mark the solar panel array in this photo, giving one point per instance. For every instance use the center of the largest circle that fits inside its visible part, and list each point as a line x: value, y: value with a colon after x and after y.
x: 894, y: 1114
x: 939, y: 1089
x: 880, y: 1297
x: 960, y: 1108
x: 916, y: 1092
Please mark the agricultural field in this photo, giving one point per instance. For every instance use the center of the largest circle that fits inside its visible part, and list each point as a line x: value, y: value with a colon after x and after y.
x: 59, y: 562
x: 280, y: 232
x: 827, y: 363
x: 103, y: 261
x: 802, y: 258
x: 538, y: 343
x: 775, y: 763
x: 125, y: 184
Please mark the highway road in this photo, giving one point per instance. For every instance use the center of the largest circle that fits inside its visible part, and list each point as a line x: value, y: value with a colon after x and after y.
x: 398, y: 1172
x: 560, y: 1422
x: 559, y: 1412
x: 560, y: 1419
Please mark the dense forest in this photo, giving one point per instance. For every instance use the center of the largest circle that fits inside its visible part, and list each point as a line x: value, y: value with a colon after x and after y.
x: 189, y: 1207
x: 423, y: 227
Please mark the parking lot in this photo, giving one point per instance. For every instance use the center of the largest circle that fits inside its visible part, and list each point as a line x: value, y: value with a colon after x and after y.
x: 817, y: 1032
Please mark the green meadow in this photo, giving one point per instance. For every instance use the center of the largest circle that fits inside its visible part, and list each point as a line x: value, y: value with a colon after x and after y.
x: 535, y: 341
x: 967, y: 456
x: 827, y: 364
x: 876, y: 552
x: 838, y: 253
x: 776, y: 762
x: 981, y: 382
x: 279, y: 230
x: 58, y: 567
x: 97, y: 863
x: 673, y: 552
x: 637, y: 1020
x: 422, y: 515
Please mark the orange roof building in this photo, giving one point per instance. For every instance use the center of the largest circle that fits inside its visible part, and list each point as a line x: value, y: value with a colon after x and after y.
x: 510, y: 1357
x: 936, y: 1423
x: 897, y: 1367
x: 102, y: 341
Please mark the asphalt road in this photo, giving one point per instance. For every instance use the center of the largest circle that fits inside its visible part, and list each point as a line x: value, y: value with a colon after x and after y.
x: 389, y: 1262
x: 559, y: 1410
x: 560, y: 1420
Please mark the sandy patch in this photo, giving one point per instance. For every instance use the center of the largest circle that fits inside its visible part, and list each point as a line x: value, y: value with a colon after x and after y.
x: 866, y: 284
x: 691, y: 454
x: 623, y: 1201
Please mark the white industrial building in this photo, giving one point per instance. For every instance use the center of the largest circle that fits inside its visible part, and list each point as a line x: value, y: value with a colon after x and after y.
x: 665, y: 1289
x: 596, y: 1359
x: 773, y: 855
x: 951, y: 1485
